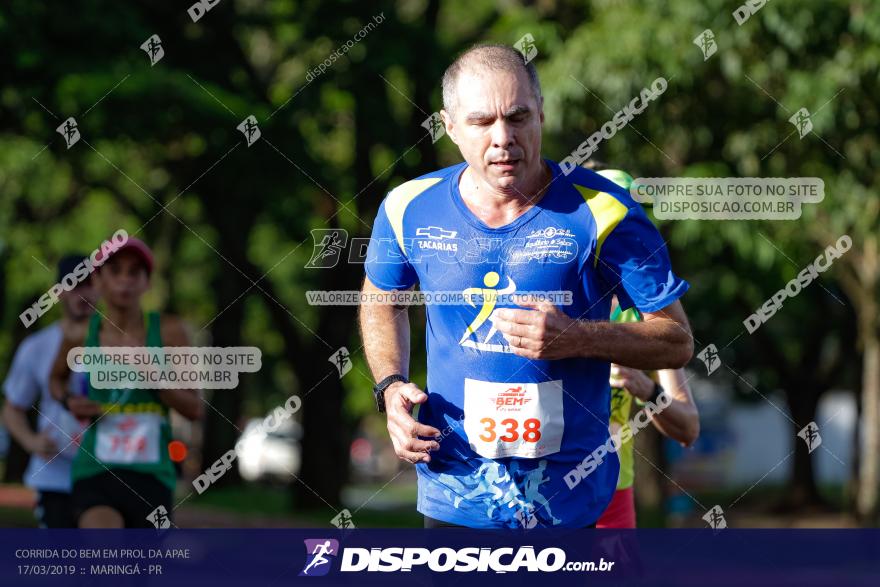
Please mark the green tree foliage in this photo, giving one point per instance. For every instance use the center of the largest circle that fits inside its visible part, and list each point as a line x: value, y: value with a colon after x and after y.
x: 161, y: 157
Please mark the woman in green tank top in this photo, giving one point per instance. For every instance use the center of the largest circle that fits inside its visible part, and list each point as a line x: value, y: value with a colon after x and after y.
x: 122, y: 474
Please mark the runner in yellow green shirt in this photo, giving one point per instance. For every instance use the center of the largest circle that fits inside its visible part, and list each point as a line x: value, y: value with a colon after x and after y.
x: 679, y: 420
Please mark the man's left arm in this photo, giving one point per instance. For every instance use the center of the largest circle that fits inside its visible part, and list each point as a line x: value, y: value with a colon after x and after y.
x: 630, y: 260
x: 662, y: 341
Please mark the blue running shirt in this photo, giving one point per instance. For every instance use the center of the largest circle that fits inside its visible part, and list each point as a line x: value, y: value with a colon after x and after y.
x: 513, y: 427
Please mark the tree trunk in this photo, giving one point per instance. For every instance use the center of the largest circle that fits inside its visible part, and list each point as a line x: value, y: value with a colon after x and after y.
x: 326, y: 437
x: 223, y: 412
x: 803, y: 390
x: 803, y: 399
x: 869, y: 465
x: 863, y: 284
x: 326, y: 432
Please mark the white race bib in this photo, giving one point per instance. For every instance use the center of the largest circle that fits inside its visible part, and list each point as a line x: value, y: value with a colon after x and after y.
x: 128, y: 438
x: 513, y: 419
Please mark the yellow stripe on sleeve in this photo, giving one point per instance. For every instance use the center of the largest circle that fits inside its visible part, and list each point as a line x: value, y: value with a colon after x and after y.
x: 607, y: 211
x: 399, y: 198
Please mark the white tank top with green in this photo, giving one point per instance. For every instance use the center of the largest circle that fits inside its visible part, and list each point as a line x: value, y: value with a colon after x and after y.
x: 621, y: 405
x: 135, y: 431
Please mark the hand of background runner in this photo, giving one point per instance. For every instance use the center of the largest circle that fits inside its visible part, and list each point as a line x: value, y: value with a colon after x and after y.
x: 82, y: 407
x: 544, y: 332
x: 43, y: 446
x: 633, y: 380
x: 403, y: 428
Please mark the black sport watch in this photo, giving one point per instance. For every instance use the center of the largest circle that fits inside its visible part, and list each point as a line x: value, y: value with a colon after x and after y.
x: 379, y: 389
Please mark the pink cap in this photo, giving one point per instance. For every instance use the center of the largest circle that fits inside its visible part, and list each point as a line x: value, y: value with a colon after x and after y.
x: 136, y: 245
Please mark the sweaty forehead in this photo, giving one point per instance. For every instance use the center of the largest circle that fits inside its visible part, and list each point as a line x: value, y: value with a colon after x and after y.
x: 480, y: 89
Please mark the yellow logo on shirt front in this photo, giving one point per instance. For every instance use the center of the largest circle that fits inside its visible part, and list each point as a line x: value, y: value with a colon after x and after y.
x: 490, y: 297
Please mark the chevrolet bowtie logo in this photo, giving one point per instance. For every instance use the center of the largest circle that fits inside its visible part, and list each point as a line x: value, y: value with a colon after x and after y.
x: 435, y: 232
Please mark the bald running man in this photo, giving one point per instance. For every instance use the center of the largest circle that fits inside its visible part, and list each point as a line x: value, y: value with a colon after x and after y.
x: 517, y: 390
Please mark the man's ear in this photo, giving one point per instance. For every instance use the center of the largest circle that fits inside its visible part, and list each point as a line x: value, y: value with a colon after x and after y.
x: 541, y: 109
x: 448, y: 124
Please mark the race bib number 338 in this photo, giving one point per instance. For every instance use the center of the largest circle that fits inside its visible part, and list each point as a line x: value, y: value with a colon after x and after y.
x: 513, y: 419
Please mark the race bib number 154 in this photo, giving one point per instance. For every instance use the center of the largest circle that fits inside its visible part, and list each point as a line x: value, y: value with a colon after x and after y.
x: 513, y: 419
x: 128, y: 438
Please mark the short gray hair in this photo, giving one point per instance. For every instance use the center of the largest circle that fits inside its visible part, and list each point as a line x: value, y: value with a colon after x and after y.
x: 487, y: 56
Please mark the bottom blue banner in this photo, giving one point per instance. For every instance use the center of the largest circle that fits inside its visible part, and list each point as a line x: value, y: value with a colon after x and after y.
x: 272, y: 558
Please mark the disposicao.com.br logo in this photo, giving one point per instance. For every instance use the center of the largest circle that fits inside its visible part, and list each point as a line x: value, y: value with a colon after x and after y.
x: 320, y: 553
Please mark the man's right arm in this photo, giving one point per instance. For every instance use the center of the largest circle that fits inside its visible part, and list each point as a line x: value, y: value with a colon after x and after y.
x: 385, y: 332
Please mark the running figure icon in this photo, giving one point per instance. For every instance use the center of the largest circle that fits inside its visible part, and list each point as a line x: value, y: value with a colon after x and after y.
x: 319, y: 558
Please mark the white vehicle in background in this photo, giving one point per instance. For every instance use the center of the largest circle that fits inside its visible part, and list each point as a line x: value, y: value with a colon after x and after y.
x: 275, y: 455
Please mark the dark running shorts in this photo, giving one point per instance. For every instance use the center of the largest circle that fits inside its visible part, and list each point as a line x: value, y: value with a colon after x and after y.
x: 54, y: 510
x: 134, y: 495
